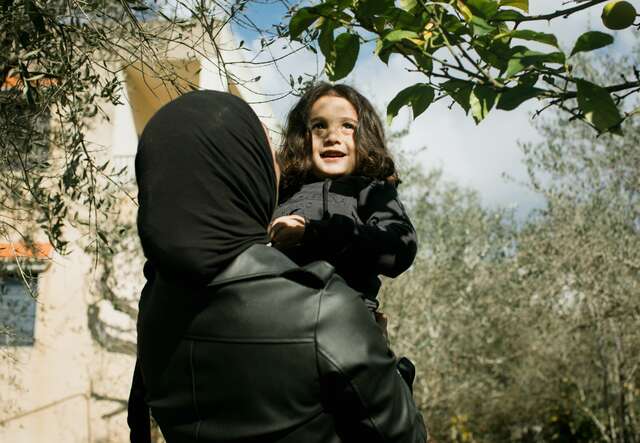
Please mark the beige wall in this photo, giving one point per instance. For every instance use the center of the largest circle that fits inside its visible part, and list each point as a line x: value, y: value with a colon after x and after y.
x: 50, y: 380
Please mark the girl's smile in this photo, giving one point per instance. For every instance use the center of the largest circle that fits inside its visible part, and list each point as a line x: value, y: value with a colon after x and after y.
x: 332, y: 123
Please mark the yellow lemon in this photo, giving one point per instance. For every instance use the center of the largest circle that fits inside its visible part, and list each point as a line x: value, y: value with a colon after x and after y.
x: 618, y: 14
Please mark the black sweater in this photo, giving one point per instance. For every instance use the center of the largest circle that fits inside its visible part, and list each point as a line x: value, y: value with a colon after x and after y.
x: 358, y: 225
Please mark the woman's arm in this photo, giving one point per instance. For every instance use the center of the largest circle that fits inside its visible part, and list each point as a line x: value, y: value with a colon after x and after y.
x: 359, y: 380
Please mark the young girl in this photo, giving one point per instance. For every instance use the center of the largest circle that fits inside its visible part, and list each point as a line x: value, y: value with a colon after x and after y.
x: 338, y: 191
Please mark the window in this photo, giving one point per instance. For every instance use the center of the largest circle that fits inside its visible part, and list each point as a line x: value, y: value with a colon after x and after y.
x: 17, y: 293
x: 17, y: 311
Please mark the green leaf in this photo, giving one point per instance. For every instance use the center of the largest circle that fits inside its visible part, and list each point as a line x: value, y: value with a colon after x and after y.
x: 481, y: 27
x: 325, y: 41
x: 520, y: 4
x: 454, y: 25
x: 591, y: 40
x: 408, y: 5
x: 383, y: 52
x: 399, y: 35
x: 491, y: 58
x: 369, y: 8
x: 598, y: 107
x: 482, y: 100
x: 464, y: 10
x: 419, y: 96
x: 301, y: 21
x: 527, y: 34
x: 522, y: 58
x: 347, y: 47
x: 507, y: 15
x: 483, y: 8
x: 384, y: 47
x: 514, y: 97
x: 493, y: 51
x: 460, y: 91
x: 424, y: 61
x: 423, y: 99
x: 528, y: 79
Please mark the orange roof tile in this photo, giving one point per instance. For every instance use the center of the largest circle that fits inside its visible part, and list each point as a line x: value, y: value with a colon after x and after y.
x: 16, y: 82
x: 36, y: 250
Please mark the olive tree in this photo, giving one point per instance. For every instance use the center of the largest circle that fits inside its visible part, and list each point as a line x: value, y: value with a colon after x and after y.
x: 528, y: 331
x: 60, y: 62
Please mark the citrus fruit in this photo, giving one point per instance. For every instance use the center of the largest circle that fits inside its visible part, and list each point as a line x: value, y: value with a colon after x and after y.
x: 618, y: 14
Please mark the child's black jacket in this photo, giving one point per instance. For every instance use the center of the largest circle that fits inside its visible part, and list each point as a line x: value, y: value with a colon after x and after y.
x: 358, y: 225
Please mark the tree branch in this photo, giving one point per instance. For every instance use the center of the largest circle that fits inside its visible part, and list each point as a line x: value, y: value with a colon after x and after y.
x: 552, y: 15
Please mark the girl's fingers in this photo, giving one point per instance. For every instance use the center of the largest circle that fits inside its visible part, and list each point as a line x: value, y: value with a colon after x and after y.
x: 275, y: 232
x: 277, y: 226
x: 286, y: 231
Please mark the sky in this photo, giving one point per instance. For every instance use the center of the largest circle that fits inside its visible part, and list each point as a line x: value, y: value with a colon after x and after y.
x: 474, y: 156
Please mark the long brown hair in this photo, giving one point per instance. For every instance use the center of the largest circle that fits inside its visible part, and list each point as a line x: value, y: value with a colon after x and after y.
x: 373, y: 158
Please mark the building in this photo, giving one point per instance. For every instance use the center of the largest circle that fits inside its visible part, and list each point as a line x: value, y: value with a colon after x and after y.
x: 66, y: 356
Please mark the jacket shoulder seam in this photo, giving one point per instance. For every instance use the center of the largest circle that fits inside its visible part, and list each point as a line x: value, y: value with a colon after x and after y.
x: 245, y: 277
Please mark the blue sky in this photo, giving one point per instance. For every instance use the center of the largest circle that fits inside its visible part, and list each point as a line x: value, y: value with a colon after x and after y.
x: 476, y: 156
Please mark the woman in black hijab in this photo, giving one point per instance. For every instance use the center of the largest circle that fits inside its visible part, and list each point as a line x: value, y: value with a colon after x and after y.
x: 206, y: 190
x: 233, y: 337
x: 207, y: 185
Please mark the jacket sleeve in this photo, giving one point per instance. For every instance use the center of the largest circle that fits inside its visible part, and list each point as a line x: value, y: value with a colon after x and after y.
x: 385, y: 240
x: 360, y: 384
x: 138, y: 417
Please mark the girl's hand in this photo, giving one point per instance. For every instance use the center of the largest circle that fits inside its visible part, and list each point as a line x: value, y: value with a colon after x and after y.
x: 286, y: 231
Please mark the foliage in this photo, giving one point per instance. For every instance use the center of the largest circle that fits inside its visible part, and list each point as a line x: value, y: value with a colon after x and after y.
x: 530, y: 332
x: 475, y: 52
x: 61, y: 62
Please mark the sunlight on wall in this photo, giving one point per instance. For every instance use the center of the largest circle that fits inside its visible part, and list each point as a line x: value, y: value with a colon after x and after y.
x: 149, y: 87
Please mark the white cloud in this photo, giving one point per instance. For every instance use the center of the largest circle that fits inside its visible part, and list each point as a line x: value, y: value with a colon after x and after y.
x: 472, y: 155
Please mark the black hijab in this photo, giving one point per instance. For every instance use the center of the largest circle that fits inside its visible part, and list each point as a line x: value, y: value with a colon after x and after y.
x: 206, y: 185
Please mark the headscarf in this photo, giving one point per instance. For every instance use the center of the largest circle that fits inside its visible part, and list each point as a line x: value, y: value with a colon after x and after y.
x: 206, y: 185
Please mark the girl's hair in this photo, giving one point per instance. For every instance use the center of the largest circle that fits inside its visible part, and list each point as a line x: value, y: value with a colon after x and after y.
x: 373, y: 157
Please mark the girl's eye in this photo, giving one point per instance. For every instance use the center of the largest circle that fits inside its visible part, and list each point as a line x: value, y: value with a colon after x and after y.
x: 350, y: 126
x: 317, y: 125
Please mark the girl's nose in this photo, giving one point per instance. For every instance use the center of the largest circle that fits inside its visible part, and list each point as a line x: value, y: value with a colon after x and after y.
x: 332, y: 135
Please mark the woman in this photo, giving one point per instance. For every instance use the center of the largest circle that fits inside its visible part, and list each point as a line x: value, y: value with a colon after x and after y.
x: 235, y: 342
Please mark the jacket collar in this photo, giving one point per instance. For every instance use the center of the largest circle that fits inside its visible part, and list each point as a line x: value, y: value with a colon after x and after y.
x: 255, y: 262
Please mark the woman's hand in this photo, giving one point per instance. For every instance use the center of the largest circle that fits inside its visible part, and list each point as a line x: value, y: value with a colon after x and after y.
x: 382, y: 321
x: 286, y: 231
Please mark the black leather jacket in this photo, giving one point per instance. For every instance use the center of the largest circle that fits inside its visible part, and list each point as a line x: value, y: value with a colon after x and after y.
x: 270, y: 352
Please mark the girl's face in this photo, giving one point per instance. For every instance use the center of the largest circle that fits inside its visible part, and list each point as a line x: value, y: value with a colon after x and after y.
x: 332, y: 123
